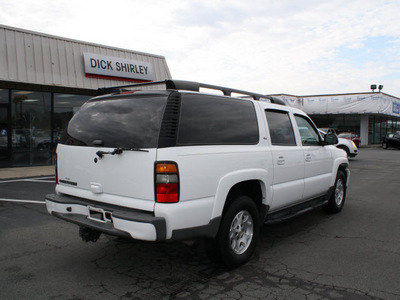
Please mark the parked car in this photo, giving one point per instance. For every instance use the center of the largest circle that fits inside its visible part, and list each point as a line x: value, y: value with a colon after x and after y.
x: 391, y: 140
x: 179, y: 164
x: 330, y: 130
x: 344, y: 144
x: 351, y: 136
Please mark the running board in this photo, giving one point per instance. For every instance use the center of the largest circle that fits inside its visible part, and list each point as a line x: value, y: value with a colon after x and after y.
x: 291, y: 212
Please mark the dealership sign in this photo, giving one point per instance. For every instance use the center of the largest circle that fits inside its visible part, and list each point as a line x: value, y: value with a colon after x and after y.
x: 101, y: 66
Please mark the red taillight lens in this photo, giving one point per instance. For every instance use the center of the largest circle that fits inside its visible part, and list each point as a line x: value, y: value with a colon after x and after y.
x: 167, y: 182
x: 167, y: 193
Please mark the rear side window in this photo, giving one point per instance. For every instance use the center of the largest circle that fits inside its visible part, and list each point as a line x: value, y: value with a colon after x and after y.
x: 128, y: 122
x: 213, y: 120
x: 280, y: 128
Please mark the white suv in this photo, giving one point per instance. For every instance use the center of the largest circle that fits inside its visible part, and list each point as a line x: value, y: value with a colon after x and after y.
x: 177, y: 164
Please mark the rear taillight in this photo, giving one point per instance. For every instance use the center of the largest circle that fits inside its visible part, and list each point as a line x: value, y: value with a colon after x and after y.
x: 55, y: 167
x: 166, y: 182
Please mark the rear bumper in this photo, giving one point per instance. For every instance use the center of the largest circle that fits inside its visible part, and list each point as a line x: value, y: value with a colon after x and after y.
x: 120, y: 221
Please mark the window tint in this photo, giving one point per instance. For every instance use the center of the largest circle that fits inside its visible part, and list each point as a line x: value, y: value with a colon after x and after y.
x: 309, y: 135
x: 280, y: 128
x: 65, y: 106
x: 118, y: 122
x: 213, y: 120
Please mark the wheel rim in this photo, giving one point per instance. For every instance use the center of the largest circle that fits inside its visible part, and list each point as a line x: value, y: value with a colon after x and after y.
x: 241, y: 232
x: 339, y: 192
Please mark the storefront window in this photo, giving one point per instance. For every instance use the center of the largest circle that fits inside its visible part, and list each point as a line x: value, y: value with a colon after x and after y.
x: 3, y: 96
x: 351, y: 123
x: 396, y: 124
x: 371, y: 129
x: 31, y: 128
x: 4, y: 128
x: 381, y: 126
x: 343, y: 123
x: 65, y: 106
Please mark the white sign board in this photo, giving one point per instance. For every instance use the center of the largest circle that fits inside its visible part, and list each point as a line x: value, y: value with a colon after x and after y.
x: 118, y: 68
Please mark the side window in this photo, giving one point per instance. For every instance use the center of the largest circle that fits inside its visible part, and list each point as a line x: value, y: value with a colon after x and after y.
x: 309, y: 135
x: 280, y: 128
x: 214, y: 120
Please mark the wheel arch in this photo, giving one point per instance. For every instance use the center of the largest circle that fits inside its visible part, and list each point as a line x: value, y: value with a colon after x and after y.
x: 345, y: 148
x: 344, y: 167
x: 254, y: 184
x: 251, y: 188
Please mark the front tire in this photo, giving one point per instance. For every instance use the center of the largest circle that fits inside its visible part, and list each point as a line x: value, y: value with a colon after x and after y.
x: 338, y: 197
x: 385, y: 145
x: 238, y: 233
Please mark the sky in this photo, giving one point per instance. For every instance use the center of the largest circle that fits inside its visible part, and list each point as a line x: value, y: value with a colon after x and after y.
x: 298, y: 47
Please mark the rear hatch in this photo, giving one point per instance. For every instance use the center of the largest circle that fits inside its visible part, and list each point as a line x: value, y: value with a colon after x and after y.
x: 108, y: 152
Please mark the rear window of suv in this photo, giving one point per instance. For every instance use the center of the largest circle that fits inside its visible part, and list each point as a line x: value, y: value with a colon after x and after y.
x: 215, y: 120
x: 127, y: 122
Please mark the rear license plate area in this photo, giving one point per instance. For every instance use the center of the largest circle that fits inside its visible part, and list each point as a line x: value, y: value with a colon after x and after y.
x: 99, y: 215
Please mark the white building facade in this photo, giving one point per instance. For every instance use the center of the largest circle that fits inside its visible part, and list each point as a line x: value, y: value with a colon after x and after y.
x: 371, y: 115
x: 44, y: 79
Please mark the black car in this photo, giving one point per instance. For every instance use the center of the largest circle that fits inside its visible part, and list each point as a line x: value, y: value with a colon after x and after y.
x: 391, y: 140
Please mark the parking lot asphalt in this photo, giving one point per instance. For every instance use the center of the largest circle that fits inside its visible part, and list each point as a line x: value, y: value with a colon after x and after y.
x: 24, y: 172
x: 351, y: 255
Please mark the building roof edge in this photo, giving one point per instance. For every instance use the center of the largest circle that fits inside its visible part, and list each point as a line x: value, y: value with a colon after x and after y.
x: 76, y: 41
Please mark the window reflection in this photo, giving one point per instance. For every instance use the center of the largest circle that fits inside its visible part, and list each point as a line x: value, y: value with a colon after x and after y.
x: 213, y: 120
x: 3, y: 96
x: 65, y: 106
x: 308, y: 134
x: 4, y: 127
x: 26, y: 134
x: 31, y: 121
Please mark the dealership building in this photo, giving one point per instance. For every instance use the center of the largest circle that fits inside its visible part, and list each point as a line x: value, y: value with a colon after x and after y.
x: 370, y: 115
x: 44, y: 80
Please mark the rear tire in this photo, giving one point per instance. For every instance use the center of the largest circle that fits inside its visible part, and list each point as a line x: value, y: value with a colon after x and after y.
x: 338, y: 197
x: 238, y: 234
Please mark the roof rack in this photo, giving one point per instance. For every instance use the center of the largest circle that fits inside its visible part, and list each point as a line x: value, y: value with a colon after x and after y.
x: 190, y: 86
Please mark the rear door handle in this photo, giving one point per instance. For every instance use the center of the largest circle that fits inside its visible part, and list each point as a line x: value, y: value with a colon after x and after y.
x: 281, y: 160
x: 308, y: 157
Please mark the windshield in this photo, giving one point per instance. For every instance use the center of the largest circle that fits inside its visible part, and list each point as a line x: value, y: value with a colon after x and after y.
x: 132, y: 122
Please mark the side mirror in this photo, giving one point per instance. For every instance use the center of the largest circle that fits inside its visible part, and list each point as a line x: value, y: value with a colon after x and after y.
x: 330, y: 139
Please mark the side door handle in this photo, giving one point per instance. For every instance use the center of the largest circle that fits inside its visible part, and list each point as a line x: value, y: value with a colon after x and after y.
x: 308, y: 157
x: 281, y: 160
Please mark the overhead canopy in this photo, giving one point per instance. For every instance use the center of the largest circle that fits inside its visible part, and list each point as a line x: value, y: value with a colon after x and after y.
x: 363, y: 103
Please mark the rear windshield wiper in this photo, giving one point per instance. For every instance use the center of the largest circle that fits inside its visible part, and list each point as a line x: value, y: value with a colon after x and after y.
x: 118, y: 151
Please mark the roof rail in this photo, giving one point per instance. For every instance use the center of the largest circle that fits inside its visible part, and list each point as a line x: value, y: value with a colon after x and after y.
x: 190, y: 86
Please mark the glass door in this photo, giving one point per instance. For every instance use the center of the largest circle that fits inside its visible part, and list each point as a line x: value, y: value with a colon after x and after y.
x: 5, y: 146
x: 31, y: 128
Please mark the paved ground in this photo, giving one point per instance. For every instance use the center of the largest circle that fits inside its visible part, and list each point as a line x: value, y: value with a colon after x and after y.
x: 351, y: 255
x: 9, y: 173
